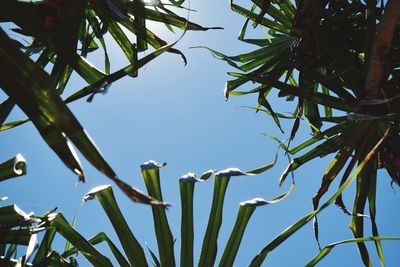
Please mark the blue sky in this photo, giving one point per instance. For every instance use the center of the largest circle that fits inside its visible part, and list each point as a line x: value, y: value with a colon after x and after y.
x: 177, y: 114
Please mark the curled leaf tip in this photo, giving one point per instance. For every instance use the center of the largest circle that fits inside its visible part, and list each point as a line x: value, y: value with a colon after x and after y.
x: 254, y: 202
x: 232, y: 172
x: 92, y: 193
x: 19, y: 165
x: 260, y: 201
x: 27, y: 216
x: 188, y: 178
x: 152, y: 164
x: 285, y: 174
x: 226, y: 92
x: 52, y: 216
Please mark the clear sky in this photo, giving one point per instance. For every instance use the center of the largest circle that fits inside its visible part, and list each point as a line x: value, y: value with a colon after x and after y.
x: 177, y: 114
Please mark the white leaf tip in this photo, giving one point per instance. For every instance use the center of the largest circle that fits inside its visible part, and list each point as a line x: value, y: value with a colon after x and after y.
x: 92, y: 193
x: 152, y: 164
x: 232, y: 172
x: 190, y: 177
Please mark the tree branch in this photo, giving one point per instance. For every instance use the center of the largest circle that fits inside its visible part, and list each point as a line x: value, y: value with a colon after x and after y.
x: 381, y: 47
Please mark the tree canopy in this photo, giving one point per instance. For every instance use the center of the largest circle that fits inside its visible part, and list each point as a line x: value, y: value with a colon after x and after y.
x: 337, y: 61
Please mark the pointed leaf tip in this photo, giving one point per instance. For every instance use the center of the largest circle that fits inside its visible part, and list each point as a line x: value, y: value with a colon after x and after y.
x: 80, y: 175
x: 206, y: 175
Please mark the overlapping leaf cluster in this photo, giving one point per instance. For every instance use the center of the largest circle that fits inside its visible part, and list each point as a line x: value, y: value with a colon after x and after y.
x: 318, y: 54
x: 55, y: 38
x: 21, y: 243
x: 19, y: 229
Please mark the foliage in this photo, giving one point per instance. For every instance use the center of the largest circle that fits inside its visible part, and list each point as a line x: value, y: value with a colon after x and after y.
x: 19, y: 228
x: 60, y: 36
x: 22, y: 229
x: 325, y: 55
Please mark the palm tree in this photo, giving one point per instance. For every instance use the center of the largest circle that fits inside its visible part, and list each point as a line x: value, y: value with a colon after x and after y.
x: 330, y: 57
x: 61, y: 34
